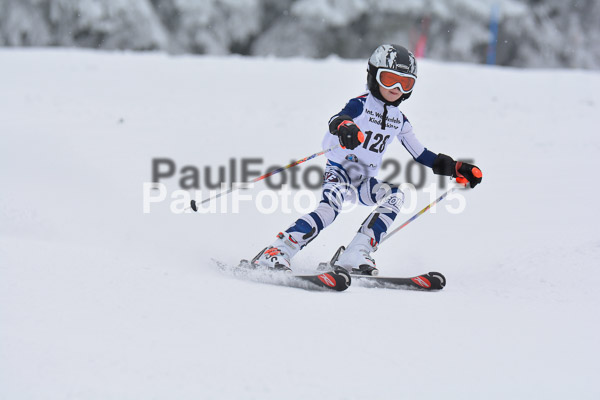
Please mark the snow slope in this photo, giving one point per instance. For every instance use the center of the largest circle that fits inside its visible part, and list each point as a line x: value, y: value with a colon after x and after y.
x: 99, y: 300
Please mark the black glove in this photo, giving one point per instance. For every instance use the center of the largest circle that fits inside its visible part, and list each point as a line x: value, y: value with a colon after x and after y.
x: 463, y: 172
x: 347, y: 131
x: 469, y: 172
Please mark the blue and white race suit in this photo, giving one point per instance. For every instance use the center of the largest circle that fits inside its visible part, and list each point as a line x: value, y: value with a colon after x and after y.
x: 350, y: 174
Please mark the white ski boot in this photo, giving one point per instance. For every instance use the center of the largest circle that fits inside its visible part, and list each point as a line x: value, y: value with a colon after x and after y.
x: 277, y: 256
x: 357, y: 256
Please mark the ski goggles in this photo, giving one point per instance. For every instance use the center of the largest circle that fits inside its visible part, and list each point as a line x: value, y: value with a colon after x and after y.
x: 390, y: 79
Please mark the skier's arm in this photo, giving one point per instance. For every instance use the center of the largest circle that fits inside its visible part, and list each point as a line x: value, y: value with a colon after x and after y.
x: 441, y: 164
x: 413, y: 145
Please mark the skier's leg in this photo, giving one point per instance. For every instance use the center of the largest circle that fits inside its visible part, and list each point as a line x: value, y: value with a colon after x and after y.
x: 335, y: 189
x: 308, y: 227
x: 389, y: 199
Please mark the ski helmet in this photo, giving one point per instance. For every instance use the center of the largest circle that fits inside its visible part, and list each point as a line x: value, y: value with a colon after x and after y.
x: 395, y: 58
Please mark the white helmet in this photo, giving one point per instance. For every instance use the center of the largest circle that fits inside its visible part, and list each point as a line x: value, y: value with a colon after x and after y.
x: 394, y: 58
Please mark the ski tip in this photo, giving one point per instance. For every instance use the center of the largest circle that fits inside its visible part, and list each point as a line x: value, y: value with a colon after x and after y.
x: 342, y: 279
x: 438, y: 281
x: 194, y: 206
x: 338, y: 279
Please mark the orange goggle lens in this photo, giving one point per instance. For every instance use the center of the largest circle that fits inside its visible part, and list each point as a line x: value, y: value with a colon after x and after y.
x: 390, y: 80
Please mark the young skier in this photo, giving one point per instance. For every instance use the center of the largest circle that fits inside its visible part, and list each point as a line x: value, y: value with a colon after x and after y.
x: 364, y: 128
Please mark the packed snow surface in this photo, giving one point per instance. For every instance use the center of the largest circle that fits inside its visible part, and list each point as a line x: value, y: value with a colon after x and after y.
x: 99, y: 300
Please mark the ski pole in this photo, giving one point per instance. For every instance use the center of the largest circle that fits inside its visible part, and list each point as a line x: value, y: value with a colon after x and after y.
x: 268, y: 174
x: 411, y: 219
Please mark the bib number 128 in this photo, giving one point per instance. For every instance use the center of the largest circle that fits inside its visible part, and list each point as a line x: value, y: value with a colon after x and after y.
x: 379, y: 142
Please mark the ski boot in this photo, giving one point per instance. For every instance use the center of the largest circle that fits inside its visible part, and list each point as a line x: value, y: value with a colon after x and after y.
x: 277, y: 256
x: 357, y: 257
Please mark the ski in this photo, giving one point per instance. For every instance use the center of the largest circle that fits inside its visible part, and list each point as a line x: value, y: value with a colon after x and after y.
x: 335, y: 280
x: 431, y: 281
